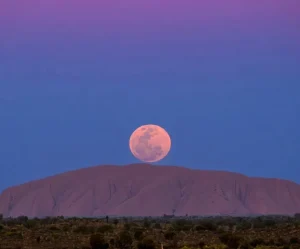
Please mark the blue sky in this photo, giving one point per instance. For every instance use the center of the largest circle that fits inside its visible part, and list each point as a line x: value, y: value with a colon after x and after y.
x: 227, y: 92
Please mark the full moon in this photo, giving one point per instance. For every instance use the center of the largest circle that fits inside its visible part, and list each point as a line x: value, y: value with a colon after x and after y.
x: 150, y: 143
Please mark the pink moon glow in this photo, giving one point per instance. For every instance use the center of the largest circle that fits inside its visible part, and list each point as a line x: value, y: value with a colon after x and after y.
x: 150, y: 143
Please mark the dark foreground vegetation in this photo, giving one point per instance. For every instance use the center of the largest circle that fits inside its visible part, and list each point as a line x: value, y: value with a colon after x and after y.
x: 150, y: 233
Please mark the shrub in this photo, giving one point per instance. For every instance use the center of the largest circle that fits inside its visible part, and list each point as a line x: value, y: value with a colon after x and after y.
x: 47, y: 221
x: 281, y: 242
x: 201, y: 244
x: 146, y: 223
x: 257, y: 241
x: 97, y: 242
x: 217, y: 246
x: 127, y: 226
x: 269, y: 223
x: 112, y: 242
x: 245, y: 245
x: 271, y: 242
x: 22, y: 219
x: 124, y: 240
x: 30, y: 224
x: 294, y: 240
x: 157, y: 226
x: 14, y: 234
x: 54, y: 228
x: 105, y: 229
x: 210, y: 226
x: 231, y: 240
x: 199, y: 228
x: 244, y: 225
x: 182, y: 225
x: 138, y: 234
x: 185, y: 247
x: 84, y: 229
x: 207, y: 225
x: 169, y: 235
x: 146, y: 243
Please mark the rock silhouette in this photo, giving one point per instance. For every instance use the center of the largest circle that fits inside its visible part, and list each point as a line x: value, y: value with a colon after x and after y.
x: 147, y: 190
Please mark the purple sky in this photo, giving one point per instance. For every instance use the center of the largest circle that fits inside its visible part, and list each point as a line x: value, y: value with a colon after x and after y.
x: 77, y: 77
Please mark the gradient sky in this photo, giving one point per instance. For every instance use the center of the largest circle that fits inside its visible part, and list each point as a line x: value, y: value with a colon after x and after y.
x: 77, y: 77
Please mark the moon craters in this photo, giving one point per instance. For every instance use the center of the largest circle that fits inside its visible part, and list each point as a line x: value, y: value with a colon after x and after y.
x: 150, y: 143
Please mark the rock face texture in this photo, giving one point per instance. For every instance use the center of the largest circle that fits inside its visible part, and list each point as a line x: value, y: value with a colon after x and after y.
x: 146, y: 190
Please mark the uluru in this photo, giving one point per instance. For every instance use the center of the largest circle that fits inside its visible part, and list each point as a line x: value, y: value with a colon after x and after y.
x: 149, y: 190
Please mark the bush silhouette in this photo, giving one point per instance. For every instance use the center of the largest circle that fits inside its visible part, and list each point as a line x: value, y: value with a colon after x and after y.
x: 232, y: 241
x: 157, y: 226
x: 97, y: 242
x: 22, y: 219
x: 82, y: 229
x: 105, y: 229
x: 138, y: 234
x: 112, y: 242
x: 269, y: 223
x: 201, y: 244
x: 127, y: 226
x: 257, y: 242
x: 182, y: 225
x: 29, y: 224
x: 147, y: 223
x: 281, y: 242
x: 146, y: 243
x: 294, y: 240
x: 207, y: 225
x: 169, y: 235
x: 124, y: 241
